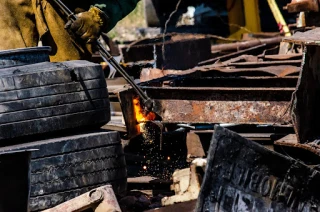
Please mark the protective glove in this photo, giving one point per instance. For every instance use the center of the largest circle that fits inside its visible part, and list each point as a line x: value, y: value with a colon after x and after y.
x: 89, y: 24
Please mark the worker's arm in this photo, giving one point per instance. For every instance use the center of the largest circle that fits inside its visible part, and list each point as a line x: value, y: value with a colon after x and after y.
x: 101, y: 18
x: 115, y: 10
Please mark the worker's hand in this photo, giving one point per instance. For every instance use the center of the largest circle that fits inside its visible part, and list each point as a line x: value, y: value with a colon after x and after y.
x: 89, y: 24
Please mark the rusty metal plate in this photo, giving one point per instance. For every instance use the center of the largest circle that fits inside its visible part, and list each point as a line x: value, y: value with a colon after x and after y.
x: 244, y: 176
x: 194, y: 105
x: 240, y: 112
x: 311, y: 37
x: 306, y: 102
x: 148, y: 74
x: 309, y: 153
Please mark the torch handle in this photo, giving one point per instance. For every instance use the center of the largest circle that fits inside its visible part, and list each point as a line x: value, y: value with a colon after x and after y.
x: 107, y: 56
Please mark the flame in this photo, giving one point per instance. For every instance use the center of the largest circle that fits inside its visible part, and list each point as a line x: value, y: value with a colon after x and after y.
x: 141, y: 115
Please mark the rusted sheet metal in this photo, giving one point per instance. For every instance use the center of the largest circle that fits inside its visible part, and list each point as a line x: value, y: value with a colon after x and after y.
x: 309, y: 153
x: 244, y: 176
x: 311, y: 37
x: 306, y: 101
x: 265, y: 63
x: 282, y: 57
x: 235, y: 81
x: 280, y: 71
x: 240, y: 112
x: 246, y: 44
x: 252, y: 50
x: 172, y: 54
x: 212, y: 105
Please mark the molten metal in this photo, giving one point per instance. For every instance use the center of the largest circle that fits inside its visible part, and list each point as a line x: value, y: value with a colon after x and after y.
x: 140, y: 113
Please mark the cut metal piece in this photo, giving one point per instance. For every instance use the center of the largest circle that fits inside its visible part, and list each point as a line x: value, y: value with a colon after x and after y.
x: 311, y: 37
x: 212, y: 105
x: 252, y: 50
x: 246, y: 44
x: 244, y: 176
x: 309, y: 153
x: 274, y: 70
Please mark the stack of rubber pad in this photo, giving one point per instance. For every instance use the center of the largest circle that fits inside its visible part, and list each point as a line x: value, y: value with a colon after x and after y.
x: 47, y: 97
x: 66, y: 167
x: 51, y: 100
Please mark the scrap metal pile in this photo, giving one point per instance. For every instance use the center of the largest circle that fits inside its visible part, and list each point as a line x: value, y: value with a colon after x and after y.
x: 208, y: 126
x: 246, y: 87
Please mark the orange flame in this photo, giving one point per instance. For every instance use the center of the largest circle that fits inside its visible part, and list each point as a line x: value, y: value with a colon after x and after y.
x: 140, y: 114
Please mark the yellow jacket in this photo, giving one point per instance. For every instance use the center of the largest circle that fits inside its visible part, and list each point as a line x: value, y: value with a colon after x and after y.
x: 25, y: 23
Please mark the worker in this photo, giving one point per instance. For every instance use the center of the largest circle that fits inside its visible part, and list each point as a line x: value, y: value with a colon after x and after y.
x: 29, y: 23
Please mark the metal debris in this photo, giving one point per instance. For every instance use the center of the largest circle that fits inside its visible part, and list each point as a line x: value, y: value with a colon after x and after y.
x: 244, y: 176
x: 212, y: 105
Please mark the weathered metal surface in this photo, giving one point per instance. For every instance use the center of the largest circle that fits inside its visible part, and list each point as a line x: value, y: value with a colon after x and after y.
x: 172, y: 54
x: 236, y: 81
x: 282, y: 57
x: 246, y: 44
x: 240, y: 112
x: 252, y: 50
x: 266, y: 63
x: 309, y: 153
x: 280, y: 71
x: 212, y: 105
x: 311, y: 37
x: 306, y: 102
x: 244, y: 176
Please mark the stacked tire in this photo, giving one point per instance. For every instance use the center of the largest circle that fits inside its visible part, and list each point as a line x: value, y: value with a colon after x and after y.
x: 47, y: 97
x: 50, y: 100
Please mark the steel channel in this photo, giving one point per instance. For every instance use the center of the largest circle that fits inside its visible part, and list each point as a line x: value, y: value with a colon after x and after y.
x: 213, y: 105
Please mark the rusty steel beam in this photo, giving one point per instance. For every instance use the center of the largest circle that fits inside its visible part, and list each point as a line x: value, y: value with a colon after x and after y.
x: 280, y: 71
x: 246, y: 44
x: 255, y: 50
x: 212, y: 105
